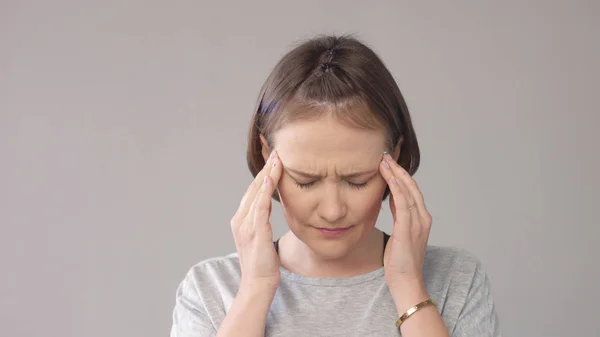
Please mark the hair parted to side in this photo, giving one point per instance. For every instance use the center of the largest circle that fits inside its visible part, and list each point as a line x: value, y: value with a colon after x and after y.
x: 337, y: 75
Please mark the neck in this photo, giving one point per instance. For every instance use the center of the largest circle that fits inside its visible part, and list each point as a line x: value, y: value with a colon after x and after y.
x: 366, y: 256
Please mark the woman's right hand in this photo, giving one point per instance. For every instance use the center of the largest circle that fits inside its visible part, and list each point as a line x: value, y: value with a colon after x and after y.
x: 252, y: 229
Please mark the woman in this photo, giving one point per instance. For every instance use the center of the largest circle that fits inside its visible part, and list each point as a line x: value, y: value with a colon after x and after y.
x: 330, y: 139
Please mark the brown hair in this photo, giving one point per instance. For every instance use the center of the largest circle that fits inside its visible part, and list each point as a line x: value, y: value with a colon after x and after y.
x: 337, y: 75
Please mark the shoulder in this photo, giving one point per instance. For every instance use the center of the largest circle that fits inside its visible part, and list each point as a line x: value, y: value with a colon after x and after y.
x: 230, y: 262
x: 441, y: 258
x: 452, y: 269
x: 211, y: 283
x: 215, y: 271
x: 204, y: 295
x: 460, y: 285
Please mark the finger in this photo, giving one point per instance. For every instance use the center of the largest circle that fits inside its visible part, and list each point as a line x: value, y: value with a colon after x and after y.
x: 422, y: 218
x: 274, y: 173
x: 401, y: 195
x: 256, y: 184
x: 263, y: 206
x: 411, y: 185
x: 398, y: 199
x: 249, y: 196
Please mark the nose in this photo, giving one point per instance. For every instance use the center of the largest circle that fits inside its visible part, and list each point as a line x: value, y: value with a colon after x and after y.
x: 332, y: 207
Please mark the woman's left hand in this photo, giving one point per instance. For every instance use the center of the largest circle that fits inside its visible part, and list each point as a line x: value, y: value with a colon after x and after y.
x: 405, y: 251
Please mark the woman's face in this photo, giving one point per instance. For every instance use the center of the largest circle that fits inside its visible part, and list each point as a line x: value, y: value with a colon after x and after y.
x: 331, y: 189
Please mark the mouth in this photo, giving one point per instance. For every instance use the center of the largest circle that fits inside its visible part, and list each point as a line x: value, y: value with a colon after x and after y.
x: 332, y: 232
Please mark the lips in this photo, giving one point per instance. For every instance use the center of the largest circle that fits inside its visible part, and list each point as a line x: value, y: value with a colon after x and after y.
x: 332, y: 232
x: 332, y: 229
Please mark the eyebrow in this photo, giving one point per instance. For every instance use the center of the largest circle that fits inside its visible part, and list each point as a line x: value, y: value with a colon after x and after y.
x: 347, y: 176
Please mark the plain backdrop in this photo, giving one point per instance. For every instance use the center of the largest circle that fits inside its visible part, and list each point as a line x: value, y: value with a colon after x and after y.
x: 122, y: 146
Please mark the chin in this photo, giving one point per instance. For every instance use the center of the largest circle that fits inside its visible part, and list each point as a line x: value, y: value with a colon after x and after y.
x: 330, y: 247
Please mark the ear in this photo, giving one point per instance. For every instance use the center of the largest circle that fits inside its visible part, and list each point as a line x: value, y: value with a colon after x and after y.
x: 264, y: 145
x: 396, y: 153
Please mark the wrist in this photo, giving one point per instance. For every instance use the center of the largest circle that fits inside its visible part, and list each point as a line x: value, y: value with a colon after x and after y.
x: 408, y: 293
x: 257, y: 289
x: 248, y: 313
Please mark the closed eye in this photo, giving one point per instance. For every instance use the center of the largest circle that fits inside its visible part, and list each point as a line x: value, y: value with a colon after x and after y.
x: 351, y: 184
x: 357, y: 186
x: 305, y: 185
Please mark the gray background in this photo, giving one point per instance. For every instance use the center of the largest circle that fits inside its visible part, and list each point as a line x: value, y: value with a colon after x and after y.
x: 123, y: 128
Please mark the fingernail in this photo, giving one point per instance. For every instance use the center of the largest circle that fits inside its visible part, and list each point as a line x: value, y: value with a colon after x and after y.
x: 385, y: 163
x: 393, y: 180
x: 272, y: 155
x: 266, y: 180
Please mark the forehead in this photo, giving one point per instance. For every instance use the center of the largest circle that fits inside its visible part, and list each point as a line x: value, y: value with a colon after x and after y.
x: 326, y: 141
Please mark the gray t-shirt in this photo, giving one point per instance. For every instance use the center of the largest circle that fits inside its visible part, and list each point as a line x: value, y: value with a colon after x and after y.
x: 354, y: 306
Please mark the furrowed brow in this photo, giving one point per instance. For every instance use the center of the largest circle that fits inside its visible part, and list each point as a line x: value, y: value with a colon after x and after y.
x: 346, y: 176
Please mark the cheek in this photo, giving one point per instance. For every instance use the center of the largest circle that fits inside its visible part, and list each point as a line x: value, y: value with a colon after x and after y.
x: 365, y: 205
x: 295, y: 201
